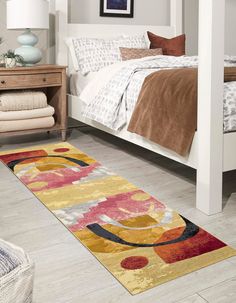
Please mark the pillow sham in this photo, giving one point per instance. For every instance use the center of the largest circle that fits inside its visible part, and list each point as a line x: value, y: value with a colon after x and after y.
x: 137, y: 53
x: 171, y: 47
x: 92, y: 54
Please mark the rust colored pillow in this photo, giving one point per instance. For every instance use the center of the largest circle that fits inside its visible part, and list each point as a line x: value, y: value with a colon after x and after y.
x: 137, y: 53
x: 171, y: 47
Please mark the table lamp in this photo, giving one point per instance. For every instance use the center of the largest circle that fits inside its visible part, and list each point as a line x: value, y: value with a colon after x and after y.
x: 28, y: 14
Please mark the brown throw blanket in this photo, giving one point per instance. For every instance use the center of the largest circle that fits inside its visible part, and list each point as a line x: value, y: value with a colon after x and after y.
x: 166, y: 110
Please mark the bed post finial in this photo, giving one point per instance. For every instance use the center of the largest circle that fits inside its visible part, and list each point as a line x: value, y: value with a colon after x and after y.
x: 176, y: 16
x: 61, y: 7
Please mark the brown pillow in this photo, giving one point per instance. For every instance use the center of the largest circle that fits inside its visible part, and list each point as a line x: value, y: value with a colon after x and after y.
x: 137, y: 53
x: 171, y: 47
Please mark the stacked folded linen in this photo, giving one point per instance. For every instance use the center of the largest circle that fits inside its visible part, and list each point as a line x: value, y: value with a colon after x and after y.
x: 9, y: 126
x: 25, y: 110
x: 23, y: 100
x: 47, y: 111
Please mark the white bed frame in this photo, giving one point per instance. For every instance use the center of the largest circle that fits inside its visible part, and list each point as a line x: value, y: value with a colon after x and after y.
x: 212, y: 152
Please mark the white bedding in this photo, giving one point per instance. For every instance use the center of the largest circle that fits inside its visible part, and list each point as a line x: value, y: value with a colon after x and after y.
x: 78, y: 82
x: 111, y: 96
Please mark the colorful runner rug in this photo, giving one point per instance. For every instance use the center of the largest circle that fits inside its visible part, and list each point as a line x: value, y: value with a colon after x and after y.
x: 138, y: 239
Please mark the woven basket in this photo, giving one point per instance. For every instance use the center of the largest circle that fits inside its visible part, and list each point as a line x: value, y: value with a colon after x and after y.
x: 16, y: 274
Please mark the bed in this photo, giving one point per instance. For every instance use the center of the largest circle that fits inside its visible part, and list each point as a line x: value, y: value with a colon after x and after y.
x: 209, y: 144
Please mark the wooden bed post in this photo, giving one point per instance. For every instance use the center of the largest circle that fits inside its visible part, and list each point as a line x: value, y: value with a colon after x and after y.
x: 176, y: 16
x: 210, y: 106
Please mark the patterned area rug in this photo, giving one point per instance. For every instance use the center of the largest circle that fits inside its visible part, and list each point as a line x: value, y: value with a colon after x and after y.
x: 142, y: 242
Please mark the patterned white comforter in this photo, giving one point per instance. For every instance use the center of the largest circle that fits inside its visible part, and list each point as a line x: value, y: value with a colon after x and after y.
x: 111, y: 96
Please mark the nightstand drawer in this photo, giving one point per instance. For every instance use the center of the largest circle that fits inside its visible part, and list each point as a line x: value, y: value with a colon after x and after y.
x: 30, y: 80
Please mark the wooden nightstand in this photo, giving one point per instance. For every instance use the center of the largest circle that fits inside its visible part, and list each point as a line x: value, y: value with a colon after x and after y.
x: 49, y: 78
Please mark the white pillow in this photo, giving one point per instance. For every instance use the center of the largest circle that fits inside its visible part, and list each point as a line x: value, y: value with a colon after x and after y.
x: 91, y: 54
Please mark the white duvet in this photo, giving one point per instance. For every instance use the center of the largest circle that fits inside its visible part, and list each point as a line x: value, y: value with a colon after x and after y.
x: 111, y: 96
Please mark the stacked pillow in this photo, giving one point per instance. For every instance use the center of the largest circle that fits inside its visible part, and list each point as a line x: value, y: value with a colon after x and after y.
x: 24, y: 110
x: 92, y: 54
x: 158, y: 46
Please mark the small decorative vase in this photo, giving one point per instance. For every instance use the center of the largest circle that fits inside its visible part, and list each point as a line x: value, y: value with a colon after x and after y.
x: 10, y: 62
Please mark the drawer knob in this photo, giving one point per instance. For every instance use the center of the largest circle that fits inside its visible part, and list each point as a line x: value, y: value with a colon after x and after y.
x: 44, y: 79
x: 3, y: 82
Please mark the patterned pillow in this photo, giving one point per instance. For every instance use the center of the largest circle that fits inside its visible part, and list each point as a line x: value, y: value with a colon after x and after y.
x: 93, y: 54
x: 137, y: 53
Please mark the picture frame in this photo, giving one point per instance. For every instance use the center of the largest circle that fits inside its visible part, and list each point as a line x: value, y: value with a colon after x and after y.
x: 117, y: 8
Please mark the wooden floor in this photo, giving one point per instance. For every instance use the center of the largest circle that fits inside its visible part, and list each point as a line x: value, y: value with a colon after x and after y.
x: 67, y: 273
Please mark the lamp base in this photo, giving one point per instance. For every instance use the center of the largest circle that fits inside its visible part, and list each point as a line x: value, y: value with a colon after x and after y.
x: 30, y: 54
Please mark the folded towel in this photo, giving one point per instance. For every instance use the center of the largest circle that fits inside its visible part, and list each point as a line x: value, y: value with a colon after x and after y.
x: 27, y: 114
x: 15, y: 125
x: 24, y: 100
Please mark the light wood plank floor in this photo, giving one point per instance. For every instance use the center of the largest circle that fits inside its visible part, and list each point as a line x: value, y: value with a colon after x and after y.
x: 67, y: 273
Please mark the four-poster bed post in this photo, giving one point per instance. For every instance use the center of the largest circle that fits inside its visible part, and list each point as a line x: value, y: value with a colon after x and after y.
x: 61, y: 9
x: 210, y: 107
x: 176, y: 16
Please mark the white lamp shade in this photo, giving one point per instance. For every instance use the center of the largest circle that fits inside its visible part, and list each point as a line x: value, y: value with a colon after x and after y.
x: 27, y: 14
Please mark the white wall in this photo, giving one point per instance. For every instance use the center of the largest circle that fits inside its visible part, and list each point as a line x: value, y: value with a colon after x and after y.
x: 191, y: 26
x: 152, y: 12
x: 230, y: 27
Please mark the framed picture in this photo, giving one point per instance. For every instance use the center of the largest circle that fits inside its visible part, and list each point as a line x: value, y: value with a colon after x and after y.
x: 117, y: 8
